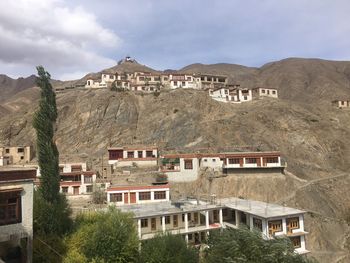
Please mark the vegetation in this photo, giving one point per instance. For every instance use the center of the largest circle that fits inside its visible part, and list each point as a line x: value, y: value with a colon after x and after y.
x: 51, y: 210
x: 168, y: 249
x: 114, y: 87
x: 243, y: 245
x: 99, y: 196
x: 103, y: 237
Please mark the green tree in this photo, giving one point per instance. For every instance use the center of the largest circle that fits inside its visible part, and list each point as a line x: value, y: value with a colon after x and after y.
x: 243, y: 245
x: 167, y: 249
x: 44, y: 122
x: 103, y: 237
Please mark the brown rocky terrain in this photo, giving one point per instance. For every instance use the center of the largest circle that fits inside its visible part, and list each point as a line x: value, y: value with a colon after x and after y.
x: 312, y: 135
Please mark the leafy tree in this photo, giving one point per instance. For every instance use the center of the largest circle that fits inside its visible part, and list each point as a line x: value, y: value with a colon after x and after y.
x: 103, y: 237
x: 167, y: 249
x: 43, y: 122
x: 243, y: 245
x: 51, y: 210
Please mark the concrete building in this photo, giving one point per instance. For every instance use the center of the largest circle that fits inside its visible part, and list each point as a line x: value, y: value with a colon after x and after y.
x: 139, y: 194
x: 133, y: 155
x: 16, y: 214
x: 95, y: 83
x: 207, y: 81
x: 75, y: 179
x: 341, y: 103
x: 195, y: 219
x: 265, y: 92
x: 184, y: 81
x: 146, y: 82
x: 186, y: 167
x: 15, y: 155
x: 231, y: 94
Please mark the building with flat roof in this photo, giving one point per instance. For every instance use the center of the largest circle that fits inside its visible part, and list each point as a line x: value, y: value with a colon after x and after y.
x: 195, y: 219
x: 186, y: 167
x: 137, y: 194
x: 265, y: 92
x: 341, y: 103
x: 16, y: 214
x: 133, y: 155
x: 15, y: 155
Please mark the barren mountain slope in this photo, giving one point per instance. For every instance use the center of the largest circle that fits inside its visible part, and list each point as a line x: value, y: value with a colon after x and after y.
x: 9, y: 86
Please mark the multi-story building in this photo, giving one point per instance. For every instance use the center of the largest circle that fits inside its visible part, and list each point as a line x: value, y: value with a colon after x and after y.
x: 186, y: 167
x: 265, y: 92
x: 16, y: 214
x: 95, y: 83
x: 75, y: 179
x: 341, y: 103
x: 231, y: 93
x: 15, y: 155
x: 195, y: 219
x: 185, y: 81
x: 137, y: 194
x: 133, y: 155
x: 206, y: 81
x: 146, y: 81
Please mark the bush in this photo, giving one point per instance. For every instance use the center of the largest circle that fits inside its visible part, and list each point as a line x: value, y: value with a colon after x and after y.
x: 99, y: 196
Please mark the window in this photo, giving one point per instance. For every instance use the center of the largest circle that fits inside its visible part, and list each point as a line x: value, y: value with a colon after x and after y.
x: 233, y: 161
x: 130, y: 154
x: 296, y: 241
x: 61, y: 169
x: 89, y: 188
x: 7, y: 150
x: 273, y: 92
x: 205, y: 160
x: 167, y: 220
x: 116, y: 197
x: 272, y: 160
x: 275, y: 226
x: 195, y: 219
x: 20, y: 150
x: 175, y: 83
x: 250, y: 160
x: 292, y: 223
x: 149, y: 154
x: 159, y: 195
x: 215, y: 215
x: 245, y: 97
x: 22, y: 157
x: 65, y: 190
x: 262, y: 91
x: 144, y: 222
x: 183, y: 217
x: 188, y: 164
x: 144, y: 196
x: 139, y: 154
x: 10, y: 208
x: 183, y: 83
x: 257, y: 223
x: 141, y: 78
x: 76, y: 168
x: 87, y: 179
x: 213, y: 160
x: 175, y: 221
x: 224, y: 212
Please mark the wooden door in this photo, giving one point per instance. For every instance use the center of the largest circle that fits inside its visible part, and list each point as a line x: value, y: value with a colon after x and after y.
x: 175, y: 221
x: 153, y: 224
x: 132, y: 198
x: 76, y: 190
x: 126, y: 198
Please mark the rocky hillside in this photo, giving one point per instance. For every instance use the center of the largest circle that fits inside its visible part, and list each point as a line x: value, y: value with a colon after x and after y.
x: 313, y: 136
x: 9, y: 87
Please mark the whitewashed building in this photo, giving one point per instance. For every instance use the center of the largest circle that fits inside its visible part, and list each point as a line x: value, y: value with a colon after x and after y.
x: 138, y: 194
x: 265, y: 92
x: 16, y: 214
x: 133, y: 155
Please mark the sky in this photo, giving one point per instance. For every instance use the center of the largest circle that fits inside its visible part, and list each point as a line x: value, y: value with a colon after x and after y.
x: 71, y: 38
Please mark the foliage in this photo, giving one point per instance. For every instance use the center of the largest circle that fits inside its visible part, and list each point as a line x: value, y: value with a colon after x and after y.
x: 103, y: 237
x: 114, y: 87
x: 156, y: 93
x: 243, y: 245
x: 43, y: 122
x: 99, y: 196
x: 51, y: 218
x: 48, y: 248
x: 167, y: 249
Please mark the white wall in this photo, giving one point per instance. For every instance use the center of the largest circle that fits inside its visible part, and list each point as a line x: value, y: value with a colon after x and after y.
x: 185, y: 175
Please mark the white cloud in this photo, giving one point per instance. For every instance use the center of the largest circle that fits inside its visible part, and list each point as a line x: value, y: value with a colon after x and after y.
x: 49, y: 33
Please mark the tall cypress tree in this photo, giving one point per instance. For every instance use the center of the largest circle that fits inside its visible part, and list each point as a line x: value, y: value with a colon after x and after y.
x: 44, y: 123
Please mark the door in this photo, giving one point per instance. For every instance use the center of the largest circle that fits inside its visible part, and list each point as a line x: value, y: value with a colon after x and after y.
x: 126, y: 198
x: 76, y: 190
x: 175, y: 220
x: 132, y: 198
x: 153, y: 224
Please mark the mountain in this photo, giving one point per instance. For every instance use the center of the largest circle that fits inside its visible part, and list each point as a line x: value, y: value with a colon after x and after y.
x: 9, y: 87
x: 313, y: 136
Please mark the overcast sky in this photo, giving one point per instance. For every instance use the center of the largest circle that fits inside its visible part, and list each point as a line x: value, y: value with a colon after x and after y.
x: 72, y: 38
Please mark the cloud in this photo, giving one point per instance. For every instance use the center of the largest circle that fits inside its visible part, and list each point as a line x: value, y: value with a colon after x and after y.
x: 49, y: 33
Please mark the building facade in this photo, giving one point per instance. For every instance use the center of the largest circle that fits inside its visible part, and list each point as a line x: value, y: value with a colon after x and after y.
x: 125, y: 195
x: 133, y: 155
x: 186, y: 167
x: 265, y: 92
x: 16, y: 214
x: 15, y: 155
x: 341, y: 104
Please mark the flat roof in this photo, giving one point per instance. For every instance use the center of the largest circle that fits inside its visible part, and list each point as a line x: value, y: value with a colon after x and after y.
x: 257, y: 208
x: 137, y: 187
